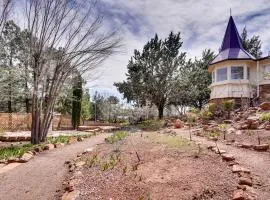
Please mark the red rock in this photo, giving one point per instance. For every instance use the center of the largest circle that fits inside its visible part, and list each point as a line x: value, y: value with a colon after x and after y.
x: 238, y: 195
x: 178, y: 123
x: 265, y: 106
x: 245, y: 181
x: 261, y: 147
x: 247, y: 146
x: 227, y: 157
x: 238, y: 169
x: 48, y: 147
x: 26, y: 157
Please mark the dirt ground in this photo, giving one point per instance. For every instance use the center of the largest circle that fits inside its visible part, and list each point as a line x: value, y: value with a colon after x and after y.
x: 166, y: 167
x: 240, y: 136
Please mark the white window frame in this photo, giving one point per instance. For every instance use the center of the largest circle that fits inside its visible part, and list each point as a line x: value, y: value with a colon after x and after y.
x: 218, y: 74
x: 241, y: 78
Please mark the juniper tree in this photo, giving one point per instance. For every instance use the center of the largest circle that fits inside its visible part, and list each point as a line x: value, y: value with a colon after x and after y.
x: 153, y: 73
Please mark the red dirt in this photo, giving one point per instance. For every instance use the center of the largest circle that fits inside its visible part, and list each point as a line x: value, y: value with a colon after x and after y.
x: 165, y: 171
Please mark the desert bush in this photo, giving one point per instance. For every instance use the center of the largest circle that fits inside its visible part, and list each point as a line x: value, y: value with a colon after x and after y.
x: 205, y: 114
x: 265, y: 117
x: 194, y: 110
x: 117, y: 136
x: 228, y: 106
x: 151, y: 125
x: 212, y: 107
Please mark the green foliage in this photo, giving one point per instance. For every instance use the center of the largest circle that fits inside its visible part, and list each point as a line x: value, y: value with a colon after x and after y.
x: 15, y: 151
x: 117, y: 136
x: 153, y: 73
x: 194, y: 110
x: 193, y: 82
x: 92, y: 161
x: 60, y: 139
x: 111, y: 162
x: 86, y: 106
x: 252, y: 45
x: 265, y: 116
x: 173, y: 142
x: 212, y: 107
x: 228, y: 105
x: 151, y: 125
x: 77, y: 101
x: 205, y: 114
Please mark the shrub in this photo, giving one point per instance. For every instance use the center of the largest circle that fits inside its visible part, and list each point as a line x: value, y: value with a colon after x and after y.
x: 265, y: 117
x: 205, y: 114
x: 117, y: 136
x: 212, y: 107
x: 228, y: 106
x: 151, y: 125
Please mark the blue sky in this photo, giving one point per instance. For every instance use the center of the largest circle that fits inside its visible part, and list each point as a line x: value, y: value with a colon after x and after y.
x: 201, y: 23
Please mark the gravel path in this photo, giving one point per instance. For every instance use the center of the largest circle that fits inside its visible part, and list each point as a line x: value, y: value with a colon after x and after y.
x: 257, y: 162
x: 41, y: 177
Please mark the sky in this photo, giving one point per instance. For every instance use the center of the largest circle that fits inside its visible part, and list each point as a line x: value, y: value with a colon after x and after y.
x: 202, y: 24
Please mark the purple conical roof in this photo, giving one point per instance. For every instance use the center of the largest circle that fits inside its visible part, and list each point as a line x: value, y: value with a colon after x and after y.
x: 232, y: 48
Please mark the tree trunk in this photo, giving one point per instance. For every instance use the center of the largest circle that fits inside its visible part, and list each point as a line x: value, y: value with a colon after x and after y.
x: 160, y: 111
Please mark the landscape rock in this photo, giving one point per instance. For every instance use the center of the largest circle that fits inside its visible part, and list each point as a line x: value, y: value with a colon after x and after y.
x: 231, y: 130
x: 238, y: 195
x: 239, y: 169
x: 88, y: 150
x: 265, y: 106
x: 13, y: 160
x: 38, y: 149
x: 26, y: 157
x: 238, y: 132
x: 261, y: 147
x: 245, y: 181
x: 80, y: 139
x: 58, y: 145
x: 178, y: 124
x: 227, y: 157
x: 79, y: 164
x: 70, y: 195
x: 48, y: 147
x: 247, y: 146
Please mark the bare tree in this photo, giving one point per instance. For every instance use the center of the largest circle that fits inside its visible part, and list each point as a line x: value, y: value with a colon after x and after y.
x: 5, y: 6
x: 67, y: 36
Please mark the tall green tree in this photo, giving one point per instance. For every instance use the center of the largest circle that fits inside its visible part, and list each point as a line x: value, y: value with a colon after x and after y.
x: 252, y: 45
x: 86, y: 106
x: 77, y: 101
x: 153, y: 73
x: 193, y: 82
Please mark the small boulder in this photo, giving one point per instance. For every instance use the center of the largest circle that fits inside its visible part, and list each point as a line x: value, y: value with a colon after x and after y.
x: 48, y: 147
x: 239, y: 169
x: 265, y: 106
x: 247, y: 145
x: 228, y: 157
x: 79, y: 164
x: 261, y: 147
x: 245, y: 181
x: 26, y: 157
x: 80, y: 138
x: 178, y: 123
x: 238, y: 195
x: 58, y: 145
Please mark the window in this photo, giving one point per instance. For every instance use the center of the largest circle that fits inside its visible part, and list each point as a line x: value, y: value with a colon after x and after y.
x: 237, y: 73
x: 221, y: 74
x: 248, y: 73
x: 213, y: 76
x: 266, y: 73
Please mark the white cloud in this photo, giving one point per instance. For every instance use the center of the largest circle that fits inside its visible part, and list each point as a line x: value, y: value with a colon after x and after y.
x: 202, y: 25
